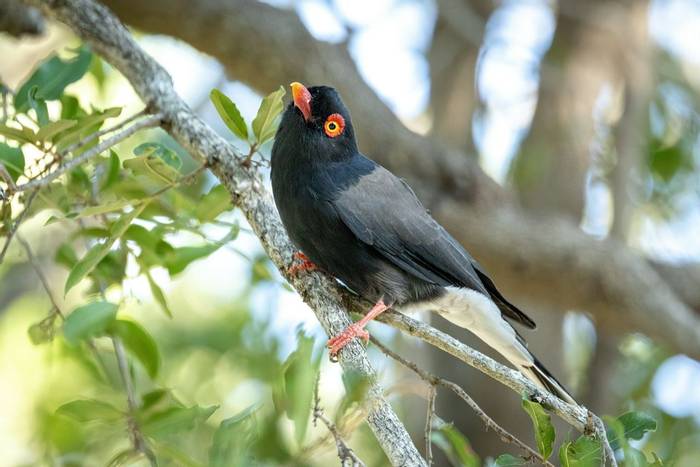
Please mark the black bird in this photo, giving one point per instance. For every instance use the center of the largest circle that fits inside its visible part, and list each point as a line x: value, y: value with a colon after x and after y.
x: 357, y: 221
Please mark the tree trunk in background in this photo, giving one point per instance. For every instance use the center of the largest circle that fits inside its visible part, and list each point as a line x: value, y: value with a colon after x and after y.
x: 549, y: 172
x: 454, y: 50
x: 549, y: 175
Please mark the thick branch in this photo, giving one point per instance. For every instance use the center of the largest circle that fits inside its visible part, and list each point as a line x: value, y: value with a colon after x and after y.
x: 96, y: 25
x: 244, y: 33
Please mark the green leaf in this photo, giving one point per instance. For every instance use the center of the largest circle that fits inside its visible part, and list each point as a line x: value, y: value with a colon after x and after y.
x: 454, y: 444
x: 12, y: 159
x: 43, y: 331
x: 85, y: 127
x: 584, y: 452
x: 139, y: 343
x: 302, y: 368
x: 65, y: 255
x: 176, y: 419
x: 86, y: 410
x: 90, y: 211
x: 166, y: 154
x: 39, y: 106
x: 265, y: 122
x: 83, y: 267
x: 636, y: 424
x: 154, y: 168
x: 112, y: 172
x: 177, y: 260
x: 630, y: 425
x: 51, y: 78
x: 213, y: 203
x: 509, y: 460
x: 51, y: 129
x: 229, y: 113
x: 231, y: 440
x: 25, y: 135
x: 158, y: 294
x: 542, y: 423
x: 89, y: 320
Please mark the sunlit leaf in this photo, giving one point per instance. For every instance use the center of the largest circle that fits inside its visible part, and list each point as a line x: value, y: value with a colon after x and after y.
x: 112, y: 172
x: 89, y: 320
x: 23, y: 136
x: 44, y: 331
x: 139, y: 343
x: 636, y: 424
x: 158, y: 295
x: 584, y: 452
x: 181, y: 257
x: 300, y: 375
x: 84, y: 128
x: 231, y: 440
x: 83, y: 267
x: 154, y: 168
x: 12, y: 159
x: 51, y: 78
x: 265, y: 122
x: 213, y: 203
x: 48, y: 131
x: 630, y: 425
x: 176, y: 419
x: 454, y: 444
x: 39, y: 106
x: 542, y: 424
x: 85, y: 410
x: 229, y: 113
x: 509, y: 460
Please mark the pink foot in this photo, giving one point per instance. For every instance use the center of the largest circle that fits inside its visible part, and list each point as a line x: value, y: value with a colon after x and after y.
x: 305, y: 265
x: 336, y: 343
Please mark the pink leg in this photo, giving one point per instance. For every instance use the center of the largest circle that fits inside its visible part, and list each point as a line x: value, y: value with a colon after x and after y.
x: 357, y: 329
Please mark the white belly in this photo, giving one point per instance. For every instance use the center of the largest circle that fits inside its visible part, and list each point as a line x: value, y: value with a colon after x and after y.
x: 477, y: 313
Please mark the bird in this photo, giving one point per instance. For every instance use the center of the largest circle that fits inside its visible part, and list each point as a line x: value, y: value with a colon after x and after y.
x: 357, y: 221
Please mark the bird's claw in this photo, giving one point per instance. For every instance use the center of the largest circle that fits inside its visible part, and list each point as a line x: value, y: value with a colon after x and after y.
x: 335, y: 344
x: 304, y: 265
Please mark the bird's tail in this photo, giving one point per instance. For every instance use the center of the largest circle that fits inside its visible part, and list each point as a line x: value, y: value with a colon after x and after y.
x: 539, y: 375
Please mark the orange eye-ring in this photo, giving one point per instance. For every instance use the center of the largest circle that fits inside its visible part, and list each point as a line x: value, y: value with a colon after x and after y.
x: 334, y: 126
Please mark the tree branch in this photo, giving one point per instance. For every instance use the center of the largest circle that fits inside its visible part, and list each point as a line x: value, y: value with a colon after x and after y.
x: 488, y: 421
x: 108, y: 37
x: 149, y: 121
x: 461, y: 196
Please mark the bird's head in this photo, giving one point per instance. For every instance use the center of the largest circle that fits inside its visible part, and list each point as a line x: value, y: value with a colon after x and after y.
x: 316, y: 123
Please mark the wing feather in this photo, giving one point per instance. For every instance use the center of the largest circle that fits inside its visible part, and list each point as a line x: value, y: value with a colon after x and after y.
x: 382, y: 211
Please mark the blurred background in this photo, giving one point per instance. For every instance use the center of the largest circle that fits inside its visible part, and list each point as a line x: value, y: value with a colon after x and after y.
x: 583, y: 115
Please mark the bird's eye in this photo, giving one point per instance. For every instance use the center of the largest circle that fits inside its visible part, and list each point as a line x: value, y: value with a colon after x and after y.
x: 334, y: 126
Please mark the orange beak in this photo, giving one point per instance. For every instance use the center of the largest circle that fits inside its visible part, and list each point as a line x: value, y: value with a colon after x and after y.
x: 302, y: 99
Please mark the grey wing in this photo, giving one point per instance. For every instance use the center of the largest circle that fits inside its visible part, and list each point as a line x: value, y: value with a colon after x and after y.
x: 382, y: 211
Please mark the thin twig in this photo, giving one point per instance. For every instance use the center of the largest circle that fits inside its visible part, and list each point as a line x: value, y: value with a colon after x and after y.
x: 42, y: 277
x: 432, y: 395
x: 434, y: 380
x: 98, y: 134
x: 347, y: 456
x: 15, y: 226
x: 136, y: 437
x: 150, y: 121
